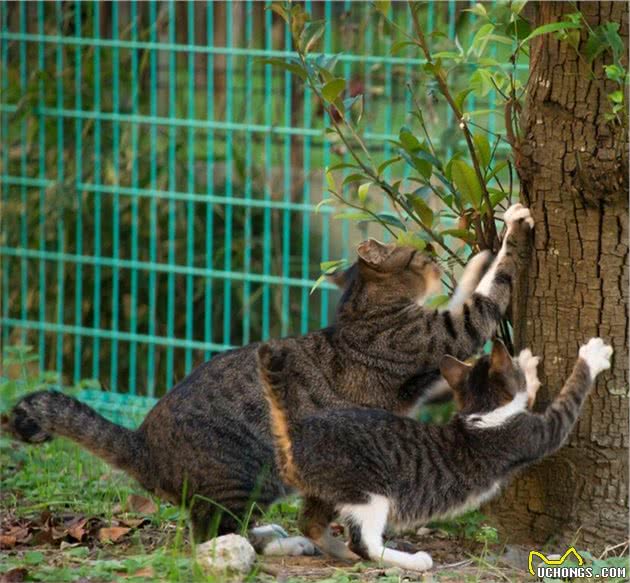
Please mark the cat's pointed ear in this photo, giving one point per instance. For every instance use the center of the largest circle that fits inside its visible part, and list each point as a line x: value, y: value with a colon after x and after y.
x: 454, y: 371
x: 374, y: 252
x: 500, y: 359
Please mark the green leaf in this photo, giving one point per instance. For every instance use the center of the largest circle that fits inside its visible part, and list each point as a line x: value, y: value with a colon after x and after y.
x: 355, y: 106
x: 332, y: 89
x: 326, y: 62
x: 299, y: 18
x: 407, y: 140
x: 462, y: 234
x: 388, y: 163
x: 481, y: 37
x: 479, y: 9
x: 460, y: 98
x: 278, y: 8
x: 353, y: 178
x: 602, y: 38
x: 481, y: 82
x: 519, y: 29
x: 616, y: 96
x: 466, y: 182
x: 341, y: 166
x: 311, y: 34
x: 398, y: 46
x: 324, y: 202
x: 482, y: 147
x: 422, y: 209
x: 328, y: 267
x: 362, y: 191
x: 330, y: 179
x: 422, y: 166
x: 551, y: 27
x: 424, y: 154
x: 615, y: 73
x: 293, y: 67
x: 411, y: 240
x: 391, y: 219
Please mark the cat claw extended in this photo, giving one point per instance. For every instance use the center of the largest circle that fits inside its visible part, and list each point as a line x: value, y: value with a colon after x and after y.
x: 597, y: 355
x: 517, y: 213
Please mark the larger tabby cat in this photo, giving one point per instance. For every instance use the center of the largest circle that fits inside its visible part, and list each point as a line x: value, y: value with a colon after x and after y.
x: 370, y: 467
x: 209, y: 437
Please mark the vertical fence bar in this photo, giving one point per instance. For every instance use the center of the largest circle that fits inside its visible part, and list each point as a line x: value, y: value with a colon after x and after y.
x: 41, y: 120
x: 268, y: 177
x: 247, y: 252
x: 209, y: 176
x: 229, y: 190
x: 306, y: 199
x: 153, y: 203
x: 325, y: 217
x: 190, y: 205
x: 78, y: 140
x: 4, y: 136
x: 286, y: 213
x: 24, y: 172
x: 113, y: 375
x: 345, y: 226
x: 172, y: 185
x: 97, y: 194
x: 60, y: 182
x: 133, y: 311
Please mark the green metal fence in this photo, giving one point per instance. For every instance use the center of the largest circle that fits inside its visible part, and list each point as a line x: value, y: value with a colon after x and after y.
x: 159, y: 183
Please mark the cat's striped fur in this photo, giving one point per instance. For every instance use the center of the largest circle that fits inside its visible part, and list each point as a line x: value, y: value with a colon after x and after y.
x: 371, y: 467
x: 209, y: 437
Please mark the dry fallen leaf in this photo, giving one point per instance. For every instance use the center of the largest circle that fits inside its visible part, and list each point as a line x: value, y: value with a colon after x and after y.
x: 76, y: 528
x: 7, y: 541
x: 141, y: 504
x: 133, y: 522
x: 112, y: 534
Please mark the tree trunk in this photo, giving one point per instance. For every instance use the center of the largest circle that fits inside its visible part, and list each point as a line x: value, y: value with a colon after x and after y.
x: 573, y: 168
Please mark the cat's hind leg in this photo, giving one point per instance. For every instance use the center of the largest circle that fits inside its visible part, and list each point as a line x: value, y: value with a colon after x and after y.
x: 367, y: 523
x: 314, y: 522
x: 273, y: 540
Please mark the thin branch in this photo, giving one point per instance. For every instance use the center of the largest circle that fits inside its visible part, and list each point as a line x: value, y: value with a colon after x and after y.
x: 439, y: 77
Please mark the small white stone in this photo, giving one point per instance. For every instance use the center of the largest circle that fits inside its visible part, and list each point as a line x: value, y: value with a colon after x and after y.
x: 228, y: 554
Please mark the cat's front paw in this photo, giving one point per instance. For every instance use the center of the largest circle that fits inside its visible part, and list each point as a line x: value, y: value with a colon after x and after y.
x: 517, y: 214
x: 596, y: 354
x: 420, y: 561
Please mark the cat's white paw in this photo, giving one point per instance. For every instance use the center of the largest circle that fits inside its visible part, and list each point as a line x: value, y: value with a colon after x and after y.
x: 528, y: 363
x: 292, y: 546
x: 420, y: 561
x: 517, y: 213
x: 596, y: 354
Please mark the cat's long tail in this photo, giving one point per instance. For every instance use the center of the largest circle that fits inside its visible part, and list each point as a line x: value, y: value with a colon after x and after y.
x: 39, y: 416
x: 271, y: 362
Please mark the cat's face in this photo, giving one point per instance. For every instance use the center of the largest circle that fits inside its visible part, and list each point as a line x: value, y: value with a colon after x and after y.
x: 491, y: 382
x: 387, y: 271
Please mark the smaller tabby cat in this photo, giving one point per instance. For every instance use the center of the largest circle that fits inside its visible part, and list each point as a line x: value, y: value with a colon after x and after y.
x: 370, y: 467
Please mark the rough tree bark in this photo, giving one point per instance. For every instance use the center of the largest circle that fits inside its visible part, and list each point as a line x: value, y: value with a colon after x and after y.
x: 573, y: 167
